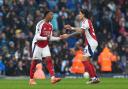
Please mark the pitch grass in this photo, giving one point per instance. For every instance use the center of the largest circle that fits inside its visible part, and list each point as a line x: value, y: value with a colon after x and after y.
x: 106, y: 83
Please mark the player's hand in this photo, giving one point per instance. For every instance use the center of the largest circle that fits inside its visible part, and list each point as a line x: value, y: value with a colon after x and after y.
x: 67, y: 26
x: 64, y: 36
x: 48, y: 38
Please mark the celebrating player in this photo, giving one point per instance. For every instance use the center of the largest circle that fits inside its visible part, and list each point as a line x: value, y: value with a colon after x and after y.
x: 91, y: 43
x: 40, y: 48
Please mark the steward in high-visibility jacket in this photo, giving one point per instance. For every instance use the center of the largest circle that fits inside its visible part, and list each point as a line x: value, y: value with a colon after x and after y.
x: 105, y: 60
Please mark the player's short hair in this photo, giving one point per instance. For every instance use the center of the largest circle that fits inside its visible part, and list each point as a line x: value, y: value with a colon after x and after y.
x: 85, y: 12
x: 46, y: 12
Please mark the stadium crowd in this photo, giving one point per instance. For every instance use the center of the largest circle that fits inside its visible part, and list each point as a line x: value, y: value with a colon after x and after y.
x: 18, y: 19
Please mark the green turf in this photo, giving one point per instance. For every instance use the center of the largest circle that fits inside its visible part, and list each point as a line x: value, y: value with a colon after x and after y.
x: 106, y: 83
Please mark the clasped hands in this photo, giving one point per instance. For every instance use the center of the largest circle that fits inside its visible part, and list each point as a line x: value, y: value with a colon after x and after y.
x: 65, y: 36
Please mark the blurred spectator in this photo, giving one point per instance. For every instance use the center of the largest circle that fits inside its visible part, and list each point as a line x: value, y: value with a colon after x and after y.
x: 2, y: 66
x: 123, y: 59
x: 1, y: 2
x: 1, y: 21
x: 86, y: 4
x: 20, y: 70
x: 26, y: 51
x: 52, y: 3
x: 105, y: 60
x: 70, y: 4
x: 65, y: 60
x: 62, y: 3
x: 63, y: 15
x: 77, y: 22
x: 55, y: 18
x: 77, y: 66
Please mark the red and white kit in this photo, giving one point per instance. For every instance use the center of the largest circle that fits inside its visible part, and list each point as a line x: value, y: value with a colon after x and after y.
x: 40, y: 41
x: 90, y: 37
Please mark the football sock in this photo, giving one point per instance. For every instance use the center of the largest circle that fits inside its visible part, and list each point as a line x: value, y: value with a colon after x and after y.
x: 32, y: 68
x: 50, y: 66
x: 89, y: 68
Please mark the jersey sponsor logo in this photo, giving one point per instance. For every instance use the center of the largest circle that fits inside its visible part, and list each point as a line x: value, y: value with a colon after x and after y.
x: 46, y: 30
x: 91, y: 30
x: 46, y: 33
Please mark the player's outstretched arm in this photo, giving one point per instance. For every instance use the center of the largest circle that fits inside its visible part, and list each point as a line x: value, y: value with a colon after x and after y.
x: 73, y: 34
x: 53, y: 38
x: 69, y: 27
x: 40, y: 38
x: 64, y: 36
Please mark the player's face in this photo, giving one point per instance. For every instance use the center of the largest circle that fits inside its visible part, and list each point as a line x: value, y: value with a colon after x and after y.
x: 50, y: 15
x: 81, y: 16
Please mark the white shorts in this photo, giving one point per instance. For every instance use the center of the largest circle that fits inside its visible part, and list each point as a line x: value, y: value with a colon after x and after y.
x: 39, y: 53
x: 90, y: 49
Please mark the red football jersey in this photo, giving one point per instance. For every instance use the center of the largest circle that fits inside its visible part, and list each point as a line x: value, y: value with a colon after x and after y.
x: 46, y: 30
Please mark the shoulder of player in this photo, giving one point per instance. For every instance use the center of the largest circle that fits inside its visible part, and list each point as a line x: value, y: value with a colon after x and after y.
x: 50, y: 23
x: 85, y: 22
x: 40, y: 22
x: 43, y: 22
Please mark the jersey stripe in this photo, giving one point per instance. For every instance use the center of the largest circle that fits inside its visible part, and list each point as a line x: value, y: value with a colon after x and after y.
x: 33, y: 49
x: 91, y: 30
x: 86, y: 41
x: 90, y: 51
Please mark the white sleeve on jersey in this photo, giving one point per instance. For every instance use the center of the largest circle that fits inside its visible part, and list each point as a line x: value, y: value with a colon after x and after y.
x: 53, y: 38
x: 39, y: 38
x: 85, y: 25
x: 38, y: 31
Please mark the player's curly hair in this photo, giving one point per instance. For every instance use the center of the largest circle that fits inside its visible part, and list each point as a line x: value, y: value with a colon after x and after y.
x: 46, y: 12
x: 85, y: 12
